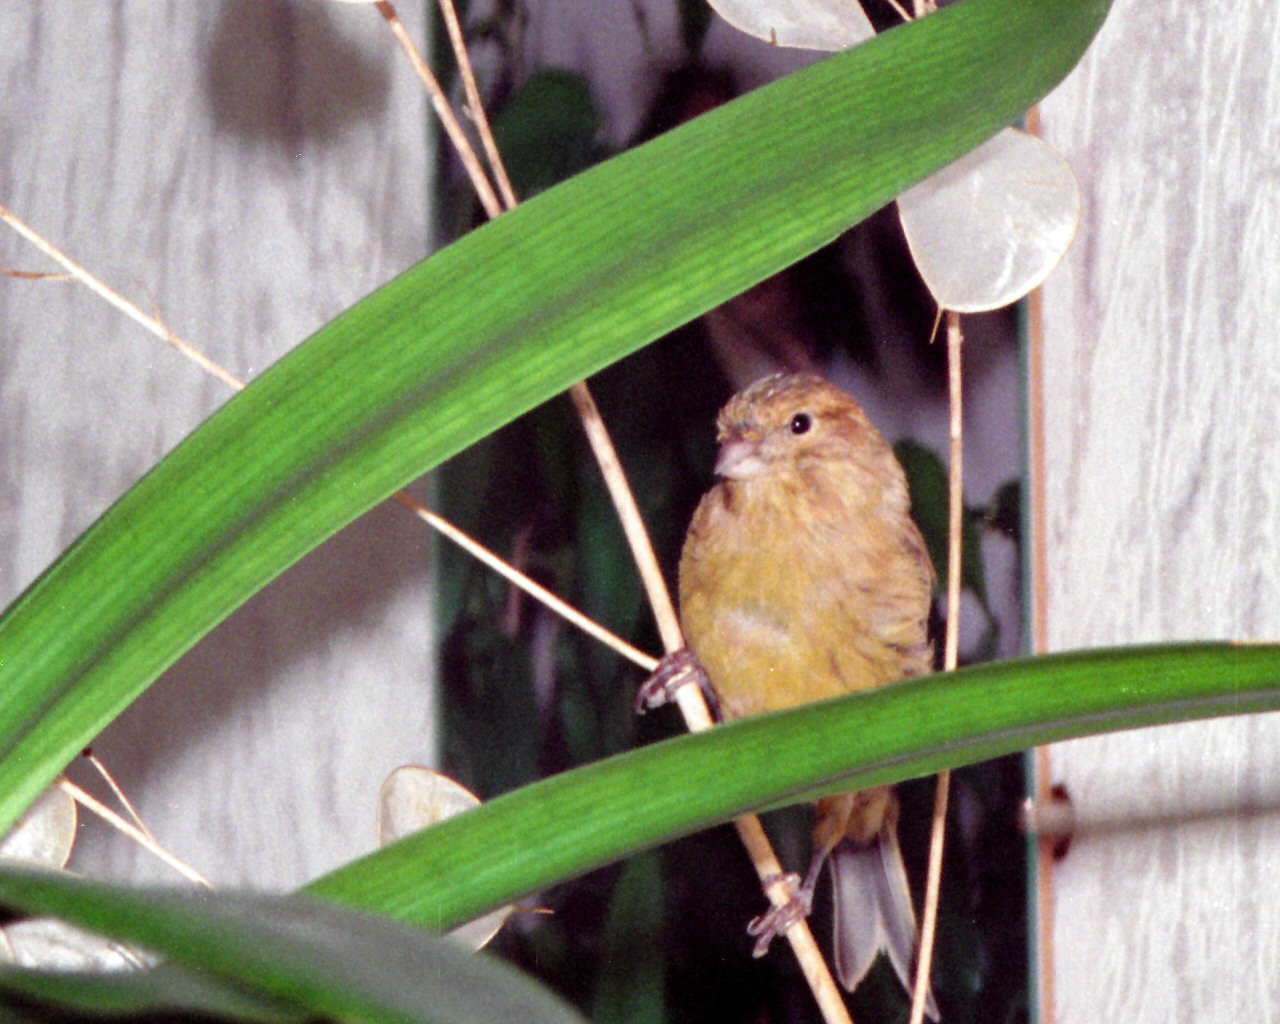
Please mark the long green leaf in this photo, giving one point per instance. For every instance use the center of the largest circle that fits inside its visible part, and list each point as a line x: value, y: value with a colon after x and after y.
x: 574, y: 822
x: 334, y: 962
x: 486, y: 329
x: 363, y: 968
x: 127, y: 996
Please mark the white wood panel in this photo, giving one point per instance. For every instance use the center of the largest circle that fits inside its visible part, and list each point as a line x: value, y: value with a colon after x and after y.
x: 256, y: 166
x: 1162, y: 492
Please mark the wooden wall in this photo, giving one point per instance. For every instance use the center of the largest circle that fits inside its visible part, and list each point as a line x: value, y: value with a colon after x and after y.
x: 254, y: 166
x: 1162, y: 505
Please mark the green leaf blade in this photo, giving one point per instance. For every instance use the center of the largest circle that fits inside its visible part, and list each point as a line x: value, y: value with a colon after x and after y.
x: 294, y: 951
x: 582, y: 819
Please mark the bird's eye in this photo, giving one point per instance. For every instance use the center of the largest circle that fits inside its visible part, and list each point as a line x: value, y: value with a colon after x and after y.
x: 801, y: 422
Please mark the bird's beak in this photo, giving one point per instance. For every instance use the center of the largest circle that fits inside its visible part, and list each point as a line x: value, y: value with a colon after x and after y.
x: 739, y: 458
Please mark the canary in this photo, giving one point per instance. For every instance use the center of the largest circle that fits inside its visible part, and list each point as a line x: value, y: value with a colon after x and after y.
x: 803, y: 577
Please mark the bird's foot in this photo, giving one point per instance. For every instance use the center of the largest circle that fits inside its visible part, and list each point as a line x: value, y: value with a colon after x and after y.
x: 677, y: 669
x: 777, y: 919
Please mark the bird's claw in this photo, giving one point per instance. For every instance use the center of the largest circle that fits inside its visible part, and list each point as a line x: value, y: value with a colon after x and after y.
x: 677, y: 669
x: 777, y: 919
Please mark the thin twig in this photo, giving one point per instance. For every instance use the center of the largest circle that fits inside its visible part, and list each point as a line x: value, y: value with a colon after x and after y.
x: 632, y: 522
x: 484, y: 190
x: 901, y: 11
x: 151, y: 323
x: 692, y: 705
x: 137, y: 835
x: 597, y: 434
x: 937, y: 322
x: 119, y: 794
x: 951, y: 649
x: 694, y: 708
x: 933, y: 885
x: 812, y: 963
x: 475, y: 107
x: 537, y: 591
x: 1037, y: 565
x: 33, y: 275
x: 955, y: 493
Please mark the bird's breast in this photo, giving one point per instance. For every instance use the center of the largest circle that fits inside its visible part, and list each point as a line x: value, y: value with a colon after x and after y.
x: 785, y: 603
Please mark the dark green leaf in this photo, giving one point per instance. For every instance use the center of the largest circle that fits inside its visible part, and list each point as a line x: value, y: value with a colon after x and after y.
x: 930, y: 508
x: 332, y: 962
x: 581, y: 819
x: 547, y: 131
x: 1005, y: 511
x: 695, y: 19
x: 134, y: 995
x: 630, y: 986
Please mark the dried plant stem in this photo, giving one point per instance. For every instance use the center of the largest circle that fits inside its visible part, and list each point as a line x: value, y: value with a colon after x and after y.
x: 812, y: 963
x: 1037, y: 566
x: 900, y: 10
x: 632, y: 522
x: 933, y: 885
x: 693, y: 706
x: 475, y: 107
x: 34, y: 275
x: 484, y: 190
x: 951, y: 649
x: 955, y: 492
x: 597, y: 434
x: 155, y: 326
x: 140, y: 837
x: 533, y: 589
x: 118, y: 793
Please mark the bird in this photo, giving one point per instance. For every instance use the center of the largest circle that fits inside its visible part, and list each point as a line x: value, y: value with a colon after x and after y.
x: 803, y: 577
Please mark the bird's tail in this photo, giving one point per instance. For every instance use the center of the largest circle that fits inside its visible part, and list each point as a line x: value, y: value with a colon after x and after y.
x: 872, y: 911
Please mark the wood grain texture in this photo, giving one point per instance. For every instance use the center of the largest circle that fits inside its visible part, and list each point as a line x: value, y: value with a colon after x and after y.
x: 254, y: 167
x: 1162, y: 486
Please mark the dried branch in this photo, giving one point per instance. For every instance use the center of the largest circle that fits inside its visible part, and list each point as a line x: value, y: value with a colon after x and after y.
x: 691, y: 702
x: 951, y: 648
